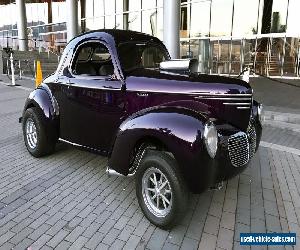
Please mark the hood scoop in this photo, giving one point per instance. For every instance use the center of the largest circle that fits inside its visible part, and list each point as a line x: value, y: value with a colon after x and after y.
x: 180, y: 66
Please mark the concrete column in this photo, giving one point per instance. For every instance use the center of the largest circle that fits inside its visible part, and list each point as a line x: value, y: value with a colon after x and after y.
x: 203, y: 55
x: 125, y: 16
x: 171, y: 27
x: 72, y: 19
x: 22, y: 25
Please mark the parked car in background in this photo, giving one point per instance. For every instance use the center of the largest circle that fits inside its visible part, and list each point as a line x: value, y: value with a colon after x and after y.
x: 119, y: 94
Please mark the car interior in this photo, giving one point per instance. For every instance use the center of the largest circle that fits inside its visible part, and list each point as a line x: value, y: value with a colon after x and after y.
x: 93, y: 59
x: 142, y: 55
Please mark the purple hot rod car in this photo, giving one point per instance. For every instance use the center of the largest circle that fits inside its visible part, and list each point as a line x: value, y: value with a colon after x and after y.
x: 118, y: 93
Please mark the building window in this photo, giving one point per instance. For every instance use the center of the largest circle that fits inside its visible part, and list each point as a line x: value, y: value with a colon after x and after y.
x: 293, y: 17
x: 110, y: 10
x: 99, y: 21
x: 134, y: 17
x: 279, y: 16
x: 149, y: 17
x: 245, y: 17
x: 221, y: 17
x: 184, y: 18
x: 200, y: 19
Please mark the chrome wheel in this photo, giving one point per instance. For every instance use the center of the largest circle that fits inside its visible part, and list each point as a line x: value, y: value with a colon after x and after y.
x: 157, y: 192
x: 31, y: 133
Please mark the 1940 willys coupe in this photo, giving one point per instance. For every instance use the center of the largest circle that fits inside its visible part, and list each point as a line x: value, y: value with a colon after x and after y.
x: 119, y: 93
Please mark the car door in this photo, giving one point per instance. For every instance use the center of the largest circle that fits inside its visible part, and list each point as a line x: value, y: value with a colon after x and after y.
x: 92, y: 98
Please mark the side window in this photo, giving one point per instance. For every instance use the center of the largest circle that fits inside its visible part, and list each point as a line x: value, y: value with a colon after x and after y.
x: 84, y: 54
x: 93, y: 59
x: 101, y: 54
x: 152, y: 57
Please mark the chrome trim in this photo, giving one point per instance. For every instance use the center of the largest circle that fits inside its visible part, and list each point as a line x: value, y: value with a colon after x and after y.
x: 95, y: 87
x: 236, y: 104
x: 72, y: 143
x: 238, y: 149
x: 200, y: 94
x: 243, y: 107
x: 78, y: 145
x: 241, y: 101
x: 252, y: 139
x: 224, y: 98
x: 242, y: 146
x: 220, y: 94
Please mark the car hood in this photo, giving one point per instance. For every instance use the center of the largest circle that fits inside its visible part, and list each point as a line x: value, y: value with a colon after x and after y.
x: 227, y: 99
x: 158, y: 81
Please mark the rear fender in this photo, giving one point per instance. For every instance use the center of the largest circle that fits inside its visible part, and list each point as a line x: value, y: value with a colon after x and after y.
x: 179, y: 130
x: 42, y: 98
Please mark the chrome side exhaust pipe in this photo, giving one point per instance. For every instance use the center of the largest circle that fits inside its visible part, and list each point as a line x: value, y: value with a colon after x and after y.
x: 217, y: 186
x: 111, y: 172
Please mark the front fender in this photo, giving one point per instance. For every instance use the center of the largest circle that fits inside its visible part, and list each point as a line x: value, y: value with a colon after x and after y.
x: 42, y: 98
x: 178, y: 129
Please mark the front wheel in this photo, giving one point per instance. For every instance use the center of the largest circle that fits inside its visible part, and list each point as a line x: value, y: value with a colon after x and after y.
x: 39, y: 136
x: 160, y: 189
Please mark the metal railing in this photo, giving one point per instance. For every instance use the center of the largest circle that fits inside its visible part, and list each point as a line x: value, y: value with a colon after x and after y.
x: 40, y: 37
x: 18, y: 69
x: 274, y: 55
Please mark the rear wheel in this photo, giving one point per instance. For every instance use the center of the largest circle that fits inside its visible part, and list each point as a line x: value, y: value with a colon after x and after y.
x: 160, y: 189
x: 39, y: 136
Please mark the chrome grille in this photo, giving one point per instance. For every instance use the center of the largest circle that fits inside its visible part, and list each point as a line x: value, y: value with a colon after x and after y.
x: 252, y: 140
x: 240, y: 101
x: 238, y: 147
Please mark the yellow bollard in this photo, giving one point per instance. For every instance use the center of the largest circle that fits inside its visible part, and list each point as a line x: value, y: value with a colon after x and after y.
x: 38, y: 74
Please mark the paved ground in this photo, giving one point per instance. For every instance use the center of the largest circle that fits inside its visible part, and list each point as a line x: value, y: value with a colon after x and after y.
x: 281, y: 97
x: 66, y: 199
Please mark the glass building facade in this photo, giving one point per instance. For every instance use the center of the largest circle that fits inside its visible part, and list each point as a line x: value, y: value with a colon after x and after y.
x: 224, y: 35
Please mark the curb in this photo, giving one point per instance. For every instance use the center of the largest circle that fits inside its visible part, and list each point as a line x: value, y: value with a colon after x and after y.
x: 282, y: 120
x: 282, y: 125
x: 280, y: 147
x: 282, y: 117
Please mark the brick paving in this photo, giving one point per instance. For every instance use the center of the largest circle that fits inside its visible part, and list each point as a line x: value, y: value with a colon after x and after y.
x: 284, y: 137
x: 67, y: 201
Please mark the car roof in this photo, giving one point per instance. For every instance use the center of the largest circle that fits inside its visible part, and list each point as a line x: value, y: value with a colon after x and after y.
x: 121, y: 35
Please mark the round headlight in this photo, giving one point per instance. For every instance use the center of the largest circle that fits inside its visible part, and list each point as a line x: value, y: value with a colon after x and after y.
x: 211, y: 139
x: 260, y: 112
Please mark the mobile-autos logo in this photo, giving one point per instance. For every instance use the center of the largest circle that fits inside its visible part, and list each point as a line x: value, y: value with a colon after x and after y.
x: 268, y: 239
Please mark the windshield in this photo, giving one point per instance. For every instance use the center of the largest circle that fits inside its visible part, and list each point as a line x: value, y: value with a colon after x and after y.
x: 136, y: 54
